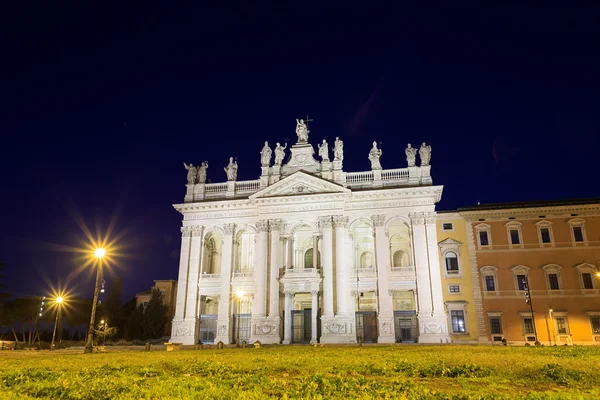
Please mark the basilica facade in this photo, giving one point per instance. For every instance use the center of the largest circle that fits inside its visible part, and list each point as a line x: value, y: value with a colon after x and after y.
x: 309, y: 252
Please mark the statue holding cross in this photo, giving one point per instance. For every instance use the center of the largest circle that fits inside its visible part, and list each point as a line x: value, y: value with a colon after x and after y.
x: 302, y: 129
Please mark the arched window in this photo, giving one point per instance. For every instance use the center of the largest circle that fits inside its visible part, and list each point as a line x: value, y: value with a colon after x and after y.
x: 308, y: 258
x: 366, y: 260
x: 400, y: 259
x: 451, y: 263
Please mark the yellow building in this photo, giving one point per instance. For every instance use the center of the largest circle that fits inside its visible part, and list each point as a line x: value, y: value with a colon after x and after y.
x: 551, y: 248
x: 459, y: 279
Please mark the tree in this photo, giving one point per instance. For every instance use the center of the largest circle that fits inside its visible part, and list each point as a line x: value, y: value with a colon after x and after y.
x: 3, y: 294
x: 113, y: 304
x: 153, y: 326
x: 133, y: 328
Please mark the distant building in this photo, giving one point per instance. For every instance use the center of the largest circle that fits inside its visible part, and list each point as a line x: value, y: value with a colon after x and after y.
x: 168, y: 289
x: 552, y: 246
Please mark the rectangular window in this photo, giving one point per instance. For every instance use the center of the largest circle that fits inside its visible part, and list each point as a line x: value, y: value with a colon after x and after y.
x: 578, y: 233
x: 483, y: 238
x: 495, y: 326
x: 528, y: 325
x: 595, y: 321
x: 545, y: 234
x: 553, y: 281
x: 458, y: 321
x: 514, y: 236
x: 522, y: 282
x: 451, y: 263
x: 587, y: 280
x: 447, y: 226
x: 561, y: 325
x: 454, y: 289
x: 490, y: 285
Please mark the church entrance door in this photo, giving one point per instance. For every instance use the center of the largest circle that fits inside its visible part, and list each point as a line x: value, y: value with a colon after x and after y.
x: 301, y: 326
x: 366, y: 326
x: 405, y: 324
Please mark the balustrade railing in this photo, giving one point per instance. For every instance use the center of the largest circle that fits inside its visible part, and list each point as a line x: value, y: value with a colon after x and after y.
x: 248, y: 186
x: 210, y: 276
x: 215, y: 188
x: 359, y: 177
x: 399, y: 174
x: 243, y: 274
x: 402, y: 270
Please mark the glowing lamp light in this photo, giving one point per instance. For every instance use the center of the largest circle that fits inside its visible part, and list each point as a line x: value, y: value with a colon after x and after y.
x: 59, y: 299
x: 240, y: 293
x: 100, y: 252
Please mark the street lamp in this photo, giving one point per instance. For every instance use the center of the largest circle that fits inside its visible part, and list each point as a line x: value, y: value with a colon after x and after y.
x: 550, y: 311
x: 99, y: 253
x: 59, y: 300
x: 239, y: 294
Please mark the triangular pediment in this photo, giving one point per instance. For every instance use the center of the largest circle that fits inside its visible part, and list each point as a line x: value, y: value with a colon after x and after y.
x: 300, y: 183
x: 450, y: 242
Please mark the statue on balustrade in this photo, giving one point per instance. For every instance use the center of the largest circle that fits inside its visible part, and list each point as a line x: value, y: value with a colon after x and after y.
x: 425, y: 154
x: 374, y: 156
x: 265, y: 155
x: 202, y: 172
x: 279, y: 154
x: 411, y: 155
x: 338, y: 150
x: 192, y: 173
x: 231, y: 170
x: 301, y: 130
x: 324, y: 151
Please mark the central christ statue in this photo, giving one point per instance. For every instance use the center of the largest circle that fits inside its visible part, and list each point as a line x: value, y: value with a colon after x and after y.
x: 301, y: 130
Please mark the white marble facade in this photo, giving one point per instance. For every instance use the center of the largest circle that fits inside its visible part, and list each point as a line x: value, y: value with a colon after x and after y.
x: 376, y: 251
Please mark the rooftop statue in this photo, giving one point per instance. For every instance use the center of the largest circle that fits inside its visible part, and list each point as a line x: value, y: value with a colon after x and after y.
x: 192, y: 173
x: 231, y: 170
x: 265, y: 155
x: 202, y: 172
x: 374, y: 156
x: 324, y: 151
x: 411, y: 155
x: 279, y: 154
x: 425, y: 154
x: 301, y: 130
x: 338, y: 150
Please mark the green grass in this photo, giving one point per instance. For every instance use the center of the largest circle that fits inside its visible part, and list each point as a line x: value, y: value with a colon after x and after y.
x: 394, y: 372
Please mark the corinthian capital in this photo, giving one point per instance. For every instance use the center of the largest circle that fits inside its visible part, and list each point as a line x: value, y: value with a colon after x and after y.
x: 186, y: 231
x: 228, y: 229
x: 262, y: 225
x: 340, y: 221
x: 429, y: 217
x: 276, y: 224
x: 417, y: 218
x: 197, y: 230
x: 325, y: 222
x: 378, y: 220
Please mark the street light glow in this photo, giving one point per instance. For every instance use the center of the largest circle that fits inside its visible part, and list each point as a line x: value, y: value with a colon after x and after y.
x: 59, y: 299
x: 240, y: 294
x: 99, y: 252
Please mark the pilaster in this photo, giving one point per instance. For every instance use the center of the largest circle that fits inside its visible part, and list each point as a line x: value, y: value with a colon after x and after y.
x: 264, y: 177
x: 476, y: 281
x: 325, y: 223
x: 414, y: 176
x: 182, y: 330
x: 224, y: 310
x: 426, y: 175
x: 193, y: 276
x: 199, y: 191
x: 287, y: 325
x: 385, y: 316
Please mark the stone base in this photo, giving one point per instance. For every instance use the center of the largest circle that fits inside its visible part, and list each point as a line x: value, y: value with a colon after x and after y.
x: 386, y: 329
x: 223, y: 331
x: 183, y: 332
x: 433, y: 329
x: 266, y: 330
x: 338, y: 329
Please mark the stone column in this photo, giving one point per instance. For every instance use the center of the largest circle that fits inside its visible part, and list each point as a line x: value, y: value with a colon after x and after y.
x: 342, y: 278
x: 433, y: 328
x: 224, y: 310
x: 385, y: 316
x: 325, y: 224
x: 287, y: 325
x: 315, y: 255
x: 290, y: 252
x: 193, y: 274
x: 435, y: 274
x: 183, y: 330
x: 285, y: 252
x: 275, y: 226
x: 313, y: 315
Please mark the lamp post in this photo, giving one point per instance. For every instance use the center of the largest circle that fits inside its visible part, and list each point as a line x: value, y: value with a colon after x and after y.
x: 528, y: 301
x: 99, y: 253
x: 550, y: 311
x: 239, y: 295
x: 103, y: 326
x: 58, y: 302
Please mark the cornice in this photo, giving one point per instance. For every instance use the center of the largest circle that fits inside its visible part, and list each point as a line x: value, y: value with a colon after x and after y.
x: 532, y: 213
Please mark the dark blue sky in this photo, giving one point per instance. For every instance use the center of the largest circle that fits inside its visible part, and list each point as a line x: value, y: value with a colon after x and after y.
x: 101, y: 105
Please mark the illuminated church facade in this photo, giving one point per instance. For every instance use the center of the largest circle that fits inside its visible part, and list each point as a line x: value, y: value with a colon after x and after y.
x: 311, y: 253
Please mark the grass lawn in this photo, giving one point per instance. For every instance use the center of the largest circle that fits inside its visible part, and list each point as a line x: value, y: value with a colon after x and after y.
x: 414, y: 372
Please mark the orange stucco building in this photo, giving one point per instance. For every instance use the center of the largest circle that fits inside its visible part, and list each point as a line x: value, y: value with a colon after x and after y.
x: 551, y: 248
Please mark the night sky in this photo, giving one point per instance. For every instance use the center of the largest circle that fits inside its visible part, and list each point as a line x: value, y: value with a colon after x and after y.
x: 101, y: 105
